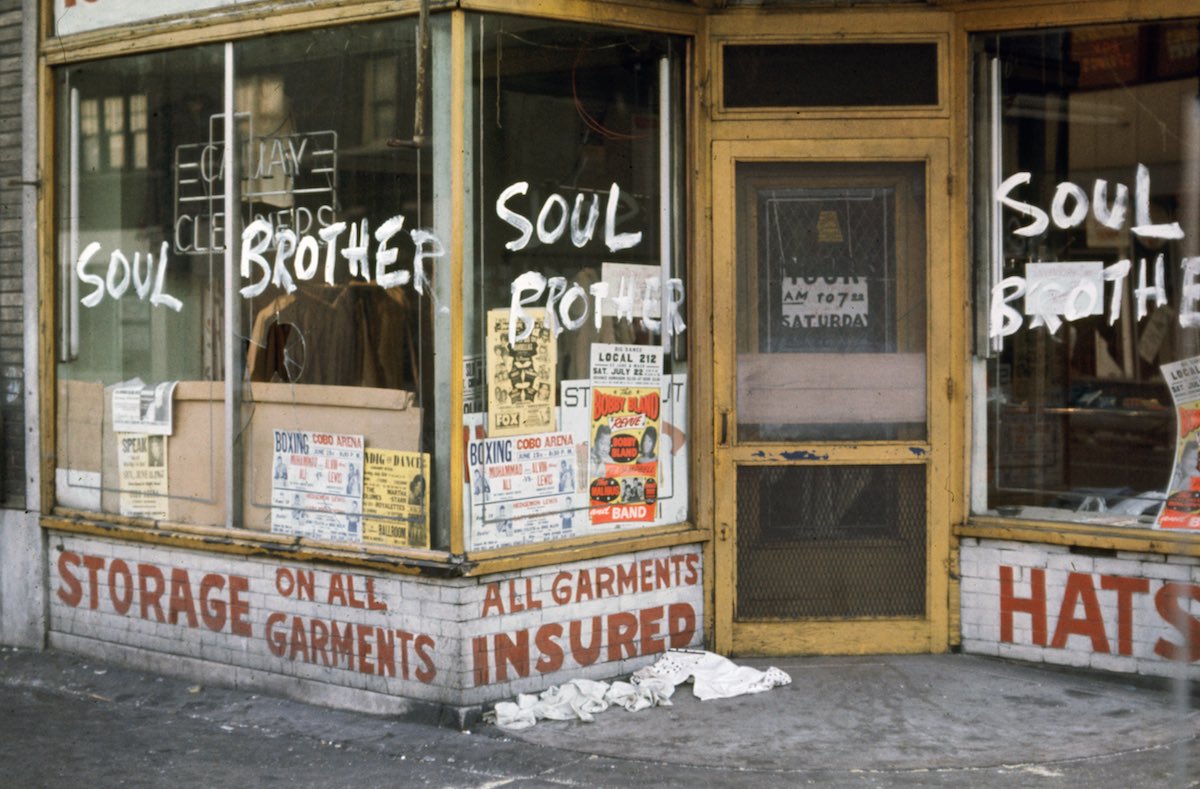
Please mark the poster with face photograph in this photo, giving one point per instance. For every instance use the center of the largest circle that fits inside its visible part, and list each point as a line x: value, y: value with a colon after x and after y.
x: 520, y: 375
x: 142, y: 467
x: 316, y: 485
x: 1182, y: 508
x: 625, y: 431
x: 395, y: 492
x: 524, y: 490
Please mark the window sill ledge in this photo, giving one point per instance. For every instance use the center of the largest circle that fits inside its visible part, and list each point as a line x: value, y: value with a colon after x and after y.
x: 410, y: 561
x: 1083, y: 535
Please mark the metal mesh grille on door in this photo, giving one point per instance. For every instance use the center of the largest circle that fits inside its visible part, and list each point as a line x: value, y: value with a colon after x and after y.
x: 830, y: 542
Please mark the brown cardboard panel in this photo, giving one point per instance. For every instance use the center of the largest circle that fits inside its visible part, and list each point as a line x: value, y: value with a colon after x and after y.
x: 196, y: 460
x: 196, y: 454
x: 78, y: 425
x: 385, y: 418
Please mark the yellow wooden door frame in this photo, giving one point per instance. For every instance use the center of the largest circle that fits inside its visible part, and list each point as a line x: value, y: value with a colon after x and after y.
x: 834, y: 636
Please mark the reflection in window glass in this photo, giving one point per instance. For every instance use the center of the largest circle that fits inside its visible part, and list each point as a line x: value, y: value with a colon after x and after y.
x: 831, y: 301
x: 1092, y: 253
x: 334, y: 256
x: 576, y: 377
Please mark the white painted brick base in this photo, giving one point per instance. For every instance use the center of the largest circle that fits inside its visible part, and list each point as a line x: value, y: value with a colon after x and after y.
x: 1100, y: 612
x: 371, y: 636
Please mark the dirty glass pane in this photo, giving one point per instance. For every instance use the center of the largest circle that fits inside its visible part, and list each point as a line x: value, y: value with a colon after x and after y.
x: 334, y: 262
x: 335, y: 201
x: 577, y: 418
x: 831, y: 301
x: 1087, y: 227
x: 139, y: 322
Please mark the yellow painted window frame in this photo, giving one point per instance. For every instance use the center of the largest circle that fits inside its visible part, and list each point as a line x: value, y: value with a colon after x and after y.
x: 1008, y: 15
x: 258, y: 20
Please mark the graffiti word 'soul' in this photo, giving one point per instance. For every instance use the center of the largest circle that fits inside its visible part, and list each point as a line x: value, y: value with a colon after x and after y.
x: 295, y: 258
x: 1054, y: 292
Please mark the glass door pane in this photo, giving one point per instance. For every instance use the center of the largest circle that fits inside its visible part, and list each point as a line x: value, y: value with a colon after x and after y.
x: 831, y: 301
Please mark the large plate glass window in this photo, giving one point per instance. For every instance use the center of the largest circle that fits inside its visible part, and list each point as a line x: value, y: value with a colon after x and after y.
x: 319, y: 310
x: 574, y: 299
x: 1087, y: 228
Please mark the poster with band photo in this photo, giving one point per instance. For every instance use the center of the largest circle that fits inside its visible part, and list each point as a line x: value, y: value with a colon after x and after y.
x: 521, y: 375
x: 626, y: 423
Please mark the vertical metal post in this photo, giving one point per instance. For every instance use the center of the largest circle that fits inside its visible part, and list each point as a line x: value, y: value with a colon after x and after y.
x: 233, y: 378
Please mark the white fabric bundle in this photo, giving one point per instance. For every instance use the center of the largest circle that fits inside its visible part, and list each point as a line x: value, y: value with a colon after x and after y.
x: 712, y: 676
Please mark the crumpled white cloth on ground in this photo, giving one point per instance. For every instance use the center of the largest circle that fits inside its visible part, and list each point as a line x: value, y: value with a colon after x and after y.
x: 712, y: 676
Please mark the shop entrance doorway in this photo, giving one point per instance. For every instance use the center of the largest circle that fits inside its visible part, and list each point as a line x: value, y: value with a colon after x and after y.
x: 831, y: 532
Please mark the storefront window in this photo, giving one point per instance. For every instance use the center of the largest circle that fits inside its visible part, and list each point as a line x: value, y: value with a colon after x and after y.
x: 576, y: 374
x: 1087, y: 167
x: 328, y: 323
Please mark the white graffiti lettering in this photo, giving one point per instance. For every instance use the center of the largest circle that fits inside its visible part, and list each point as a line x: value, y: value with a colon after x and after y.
x: 304, y: 253
x: 1062, y: 292
x: 121, y: 272
x: 529, y: 287
x: 1112, y: 217
x: 553, y: 219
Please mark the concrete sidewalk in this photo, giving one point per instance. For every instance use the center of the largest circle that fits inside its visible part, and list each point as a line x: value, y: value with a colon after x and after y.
x: 871, y: 721
x: 846, y: 714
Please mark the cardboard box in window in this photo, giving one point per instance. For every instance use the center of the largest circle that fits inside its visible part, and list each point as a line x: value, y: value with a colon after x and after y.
x: 86, y: 460
x: 385, y: 418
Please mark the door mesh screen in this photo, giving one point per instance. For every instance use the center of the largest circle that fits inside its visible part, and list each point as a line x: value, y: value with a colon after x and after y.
x: 830, y: 541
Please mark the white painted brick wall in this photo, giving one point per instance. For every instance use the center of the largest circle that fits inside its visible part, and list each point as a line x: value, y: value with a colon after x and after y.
x: 981, y: 614
x: 444, y: 617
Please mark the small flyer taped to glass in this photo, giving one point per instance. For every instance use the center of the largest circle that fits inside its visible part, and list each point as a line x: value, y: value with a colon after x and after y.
x: 138, y: 408
x: 316, y: 485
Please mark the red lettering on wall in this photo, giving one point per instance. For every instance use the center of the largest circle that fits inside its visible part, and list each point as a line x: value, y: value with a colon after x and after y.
x: 94, y: 565
x: 604, y: 581
x: 648, y: 620
x: 276, y: 641
x: 150, y: 594
x: 1167, y: 603
x: 119, y: 576
x: 337, y: 590
x: 423, y: 646
x: 1034, y: 605
x: 627, y: 578
x: 510, y: 652
x: 622, y: 629
x: 212, y: 609
x: 552, y: 652
x: 70, y: 592
x: 385, y: 643
x: 681, y: 624
x: 239, y: 609
x: 585, y: 656
x: 1125, y: 588
x: 1079, y: 588
x: 405, y: 639
x: 492, y: 599
x: 365, y: 666
x: 299, y: 640
x: 479, y: 660
x: 181, y: 598
x: 319, y: 643
x: 627, y: 634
